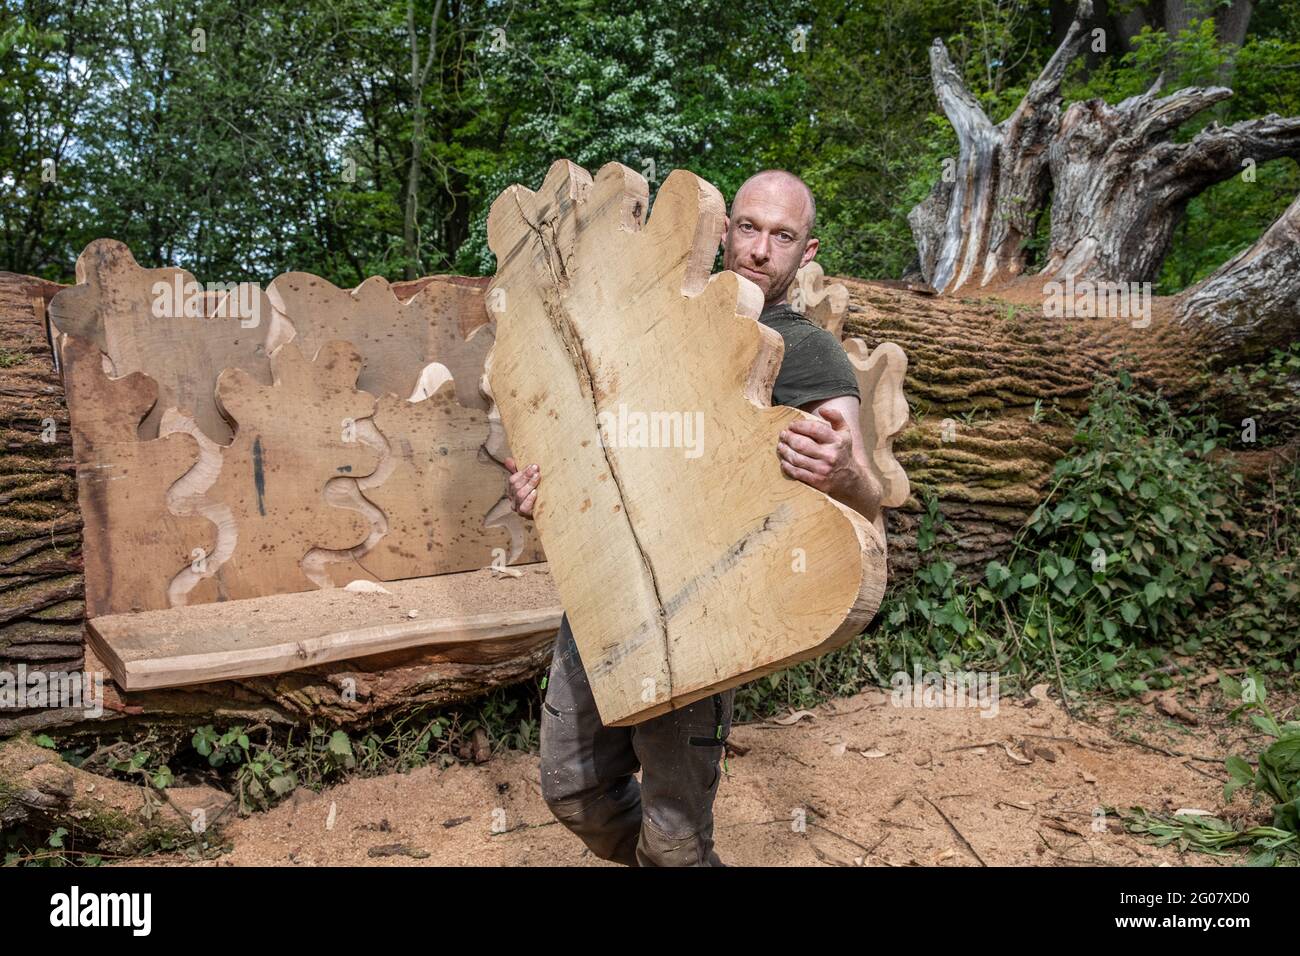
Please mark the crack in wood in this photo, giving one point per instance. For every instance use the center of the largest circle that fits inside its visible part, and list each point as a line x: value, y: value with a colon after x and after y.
x: 570, y: 339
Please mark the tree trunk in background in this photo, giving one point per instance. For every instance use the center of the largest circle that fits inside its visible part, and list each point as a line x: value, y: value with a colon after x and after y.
x: 1118, y: 182
x: 40, y: 525
x: 973, y: 226
x: 975, y: 372
x: 1252, y: 300
x: 974, y: 375
x: 1121, y: 184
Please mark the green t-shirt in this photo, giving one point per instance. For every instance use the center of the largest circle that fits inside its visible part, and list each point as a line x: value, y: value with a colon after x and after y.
x: 815, y: 366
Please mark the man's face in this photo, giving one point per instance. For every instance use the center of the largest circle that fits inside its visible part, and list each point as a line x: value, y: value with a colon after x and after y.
x: 767, y: 235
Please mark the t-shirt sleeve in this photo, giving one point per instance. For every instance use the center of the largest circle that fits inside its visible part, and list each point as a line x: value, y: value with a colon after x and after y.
x: 817, y: 368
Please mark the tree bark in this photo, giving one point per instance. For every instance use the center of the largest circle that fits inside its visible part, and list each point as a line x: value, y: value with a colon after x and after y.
x: 40, y: 525
x: 1121, y: 184
x: 975, y: 225
x: 1118, y: 182
x: 1252, y: 301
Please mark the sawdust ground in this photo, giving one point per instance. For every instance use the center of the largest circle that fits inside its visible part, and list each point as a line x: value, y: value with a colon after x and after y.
x: 937, y: 787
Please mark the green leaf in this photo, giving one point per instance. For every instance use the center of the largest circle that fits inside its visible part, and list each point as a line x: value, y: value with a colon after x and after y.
x: 996, y: 573
x: 339, y: 744
x: 1130, y: 612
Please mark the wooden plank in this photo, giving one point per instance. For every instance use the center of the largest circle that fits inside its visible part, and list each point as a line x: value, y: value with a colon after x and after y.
x: 443, y: 322
x: 826, y: 304
x: 684, y: 570
x: 270, y: 635
x: 434, y: 491
x: 292, y: 438
x: 133, y: 543
x: 136, y: 317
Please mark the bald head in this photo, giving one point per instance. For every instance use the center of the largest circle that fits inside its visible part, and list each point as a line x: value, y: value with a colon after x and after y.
x: 782, y: 182
x: 769, y: 231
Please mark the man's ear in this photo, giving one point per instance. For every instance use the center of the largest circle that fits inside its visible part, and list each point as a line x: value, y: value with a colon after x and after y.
x: 809, y: 251
x: 726, y: 230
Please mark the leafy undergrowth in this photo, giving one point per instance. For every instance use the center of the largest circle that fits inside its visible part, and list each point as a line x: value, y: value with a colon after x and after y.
x: 1273, y: 781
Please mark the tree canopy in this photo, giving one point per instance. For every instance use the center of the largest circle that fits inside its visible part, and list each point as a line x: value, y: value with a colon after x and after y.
x: 240, y: 139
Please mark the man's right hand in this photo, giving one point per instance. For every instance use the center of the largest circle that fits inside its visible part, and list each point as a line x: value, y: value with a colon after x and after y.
x: 522, y: 487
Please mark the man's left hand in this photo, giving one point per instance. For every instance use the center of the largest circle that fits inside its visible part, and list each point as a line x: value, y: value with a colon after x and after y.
x: 820, y: 452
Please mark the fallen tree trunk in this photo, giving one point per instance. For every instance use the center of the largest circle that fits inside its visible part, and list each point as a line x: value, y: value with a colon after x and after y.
x: 994, y: 390
x: 41, y: 583
x: 40, y: 790
x: 976, y: 373
x: 1251, y: 301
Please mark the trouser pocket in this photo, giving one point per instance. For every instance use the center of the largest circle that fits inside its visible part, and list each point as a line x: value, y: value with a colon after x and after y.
x: 721, y: 704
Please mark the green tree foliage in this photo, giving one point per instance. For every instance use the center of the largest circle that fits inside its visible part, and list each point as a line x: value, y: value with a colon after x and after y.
x: 241, y: 138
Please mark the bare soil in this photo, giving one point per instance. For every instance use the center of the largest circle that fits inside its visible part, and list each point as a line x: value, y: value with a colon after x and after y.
x: 856, y: 781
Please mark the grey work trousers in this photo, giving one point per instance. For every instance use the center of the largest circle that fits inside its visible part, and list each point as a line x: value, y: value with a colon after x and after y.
x: 587, y: 768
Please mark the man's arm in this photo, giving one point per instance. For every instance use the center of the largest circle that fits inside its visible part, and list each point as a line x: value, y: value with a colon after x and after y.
x: 828, y: 455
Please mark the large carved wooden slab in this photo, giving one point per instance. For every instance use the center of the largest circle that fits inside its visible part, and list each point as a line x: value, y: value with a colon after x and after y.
x: 432, y: 493
x: 292, y: 438
x: 133, y: 545
x: 434, y: 501
x: 684, y: 569
x: 163, y: 323
x: 443, y: 322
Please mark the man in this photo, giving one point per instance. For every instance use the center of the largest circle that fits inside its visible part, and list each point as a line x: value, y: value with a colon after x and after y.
x: 586, y: 768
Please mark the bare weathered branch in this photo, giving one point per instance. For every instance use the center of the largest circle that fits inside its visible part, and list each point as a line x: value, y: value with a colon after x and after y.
x: 1253, y: 300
